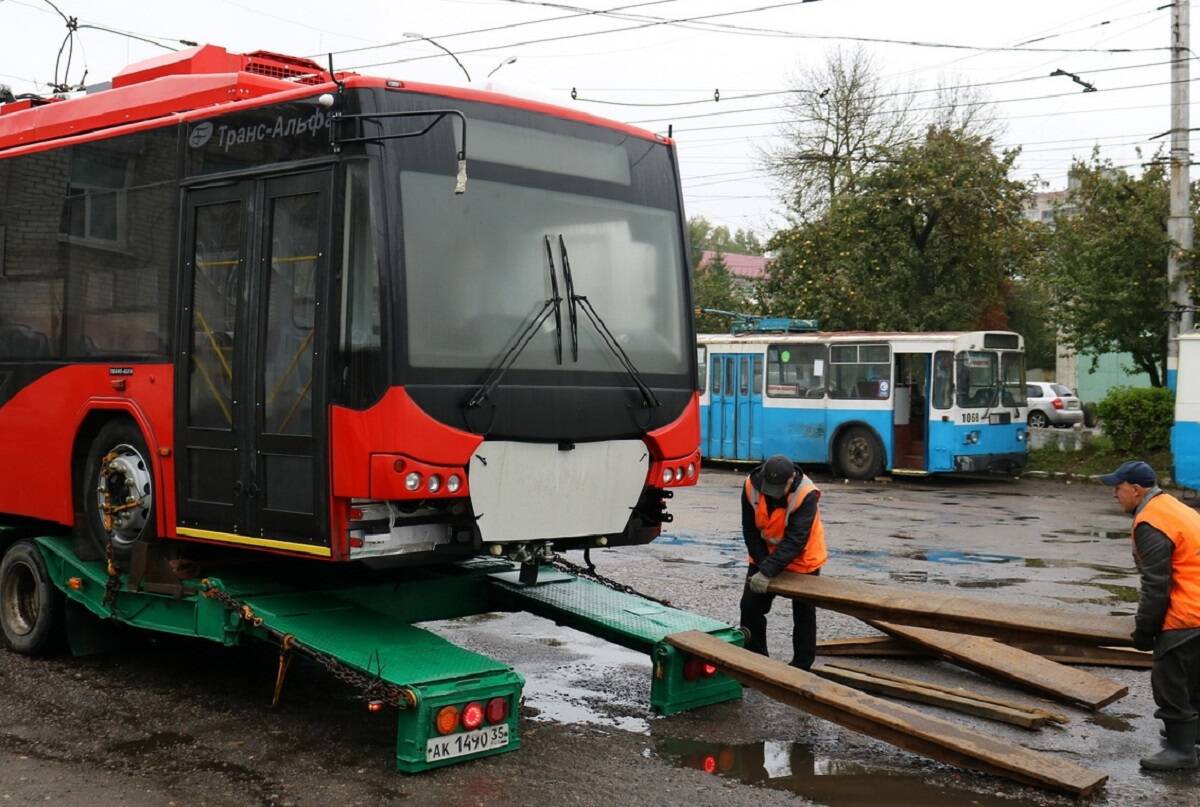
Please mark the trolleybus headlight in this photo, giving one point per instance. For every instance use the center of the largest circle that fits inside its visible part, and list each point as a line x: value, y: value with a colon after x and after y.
x: 453, y: 483
x: 668, y: 475
x: 497, y: 710
x: 472, y: 715
x: 447, y: 719
x: 691, y: 470
x: 434, y: 484
x: 413, y: 481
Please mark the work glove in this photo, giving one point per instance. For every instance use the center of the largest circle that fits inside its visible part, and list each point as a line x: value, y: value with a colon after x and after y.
x: 759, y: 582
x: 1143, y: 641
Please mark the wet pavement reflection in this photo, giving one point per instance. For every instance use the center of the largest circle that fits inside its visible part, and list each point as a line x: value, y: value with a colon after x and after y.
x: 816, y: 775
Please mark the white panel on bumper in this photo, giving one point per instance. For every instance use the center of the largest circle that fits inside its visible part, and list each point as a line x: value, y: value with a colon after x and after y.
x: 534, y: 491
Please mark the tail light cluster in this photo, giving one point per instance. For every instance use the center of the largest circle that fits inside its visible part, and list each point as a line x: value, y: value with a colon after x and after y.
x: 1057, y: 403
x: 673, y: 473
x: 696, y: 669
x: 470, y: 716
x: 394, y: 476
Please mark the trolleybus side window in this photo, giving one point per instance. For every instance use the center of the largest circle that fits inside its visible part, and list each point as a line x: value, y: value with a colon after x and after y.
x: 745, y: 377
x: 217, y: 284
x: 716, y: 376
x: 796, y: 371
x: 943, y: 379
x: 361, y: 320
x: 978, y: 379
x: 702, y: 367
x: 860, y: 372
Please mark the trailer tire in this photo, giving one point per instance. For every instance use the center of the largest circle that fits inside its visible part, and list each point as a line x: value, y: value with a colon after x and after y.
x: 117, y: 472
x: 859, y: 454
x: 31, y: 608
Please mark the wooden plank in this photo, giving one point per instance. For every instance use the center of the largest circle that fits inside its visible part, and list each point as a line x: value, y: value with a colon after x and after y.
x: 931, y: 609
x: 1074, y: 654
x: 1083, y: 655
x: 1012, y: 664
x: 961, y: 692
x: 893, y: 723
x: 913, y: 691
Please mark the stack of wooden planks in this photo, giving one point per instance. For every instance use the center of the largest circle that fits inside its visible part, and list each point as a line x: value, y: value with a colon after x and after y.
x: 1018, y: 645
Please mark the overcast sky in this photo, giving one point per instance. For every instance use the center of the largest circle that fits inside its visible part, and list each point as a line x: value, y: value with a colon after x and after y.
x: 741, y: 51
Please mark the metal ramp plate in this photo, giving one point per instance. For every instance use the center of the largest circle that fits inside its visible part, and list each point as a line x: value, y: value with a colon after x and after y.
x: 627, y: 619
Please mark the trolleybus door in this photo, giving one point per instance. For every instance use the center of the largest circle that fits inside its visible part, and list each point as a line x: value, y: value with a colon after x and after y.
x: 250, y: 391
x: 735, y: 407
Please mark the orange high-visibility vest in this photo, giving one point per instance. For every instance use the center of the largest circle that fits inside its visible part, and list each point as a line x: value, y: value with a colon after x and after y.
x: 773, y: 525
x: 1181, y: 524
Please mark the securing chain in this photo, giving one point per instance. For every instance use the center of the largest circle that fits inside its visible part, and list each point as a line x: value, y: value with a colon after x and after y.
x: 372, y: 688
x: 112, y: 585
x: 590, y: 573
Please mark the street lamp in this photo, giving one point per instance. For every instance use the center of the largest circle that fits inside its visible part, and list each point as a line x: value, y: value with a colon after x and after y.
x: 507, y: 61
x: 442, y: 47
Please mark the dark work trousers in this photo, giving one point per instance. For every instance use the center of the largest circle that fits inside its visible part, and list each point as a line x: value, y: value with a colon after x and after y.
x: 755, y: 608
x: 1175, y: 681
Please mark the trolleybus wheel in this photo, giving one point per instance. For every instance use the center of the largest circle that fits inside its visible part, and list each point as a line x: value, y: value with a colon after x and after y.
x: 31, y: 608
x: 1038, y: 420
x: 118, y: 490
x: 859, y: 454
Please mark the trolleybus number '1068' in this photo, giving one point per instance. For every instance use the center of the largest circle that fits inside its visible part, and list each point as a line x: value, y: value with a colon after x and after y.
x: 468, y: 742
x: 971, y: 417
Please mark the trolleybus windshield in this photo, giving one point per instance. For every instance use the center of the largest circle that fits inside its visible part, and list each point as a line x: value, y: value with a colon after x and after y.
x: 476, y: 266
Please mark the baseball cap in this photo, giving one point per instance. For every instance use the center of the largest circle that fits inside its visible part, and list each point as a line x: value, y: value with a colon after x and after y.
x: 777, y: 470
x: 1135, y: 472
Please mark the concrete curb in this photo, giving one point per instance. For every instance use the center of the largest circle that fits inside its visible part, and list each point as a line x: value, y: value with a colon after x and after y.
x: 1063, y: 476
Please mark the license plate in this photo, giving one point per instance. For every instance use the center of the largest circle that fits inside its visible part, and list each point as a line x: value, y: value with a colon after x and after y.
x: 1072, y: 404
x: 469, y: 742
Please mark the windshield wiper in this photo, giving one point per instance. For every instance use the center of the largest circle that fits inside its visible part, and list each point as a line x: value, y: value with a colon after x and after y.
x: 566, y: 262
x: 557, y: 300
x: 523, y: 339
x: 649, y: 400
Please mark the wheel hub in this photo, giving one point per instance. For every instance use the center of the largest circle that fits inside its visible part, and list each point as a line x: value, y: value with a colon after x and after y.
x: 124, y: 494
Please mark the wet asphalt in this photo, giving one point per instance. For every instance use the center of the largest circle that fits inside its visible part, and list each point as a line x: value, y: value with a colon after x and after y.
x: 177, y: 722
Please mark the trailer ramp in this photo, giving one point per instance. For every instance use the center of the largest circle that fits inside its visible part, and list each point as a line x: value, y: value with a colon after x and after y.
x: 631, y: 621
x: 893, y: 723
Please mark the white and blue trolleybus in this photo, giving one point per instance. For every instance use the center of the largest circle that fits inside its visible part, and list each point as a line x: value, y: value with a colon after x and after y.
x: 1185, y: 435
x: 865, y: 403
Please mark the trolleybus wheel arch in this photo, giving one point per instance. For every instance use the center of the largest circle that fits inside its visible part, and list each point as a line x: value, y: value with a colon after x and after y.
x: 118, y: 490
x: 31, y: 608
x: 859, y: 453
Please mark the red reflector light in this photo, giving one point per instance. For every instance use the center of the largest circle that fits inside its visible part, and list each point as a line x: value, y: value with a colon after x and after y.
x: 708, y: 670
x: 710, y: 764
x: 472, y: 715
x: 399, y: 465
x: 375, y: 706
x: 1057, y: 402
x: 356, y: 514
x: 447, y: 719
x: 497, y: 710
x: 356, y: 543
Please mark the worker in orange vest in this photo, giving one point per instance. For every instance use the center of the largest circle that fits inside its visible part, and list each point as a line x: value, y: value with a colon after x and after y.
x: 1166, y: 548
x: 781, y: 525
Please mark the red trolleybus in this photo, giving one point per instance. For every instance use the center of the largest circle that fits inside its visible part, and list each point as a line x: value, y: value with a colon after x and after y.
x: 248, y: 302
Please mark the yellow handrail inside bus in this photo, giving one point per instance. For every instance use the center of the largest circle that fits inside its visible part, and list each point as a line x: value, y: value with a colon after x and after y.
x: 216, y: 393
x: 291, y: 367
x: 291, y: 412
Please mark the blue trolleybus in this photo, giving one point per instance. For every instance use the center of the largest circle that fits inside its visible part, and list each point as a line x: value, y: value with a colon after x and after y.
x: 1185, y: 436
x: 866, y: 403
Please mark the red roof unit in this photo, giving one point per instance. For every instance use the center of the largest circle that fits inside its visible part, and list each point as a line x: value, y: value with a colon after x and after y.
x: 215, y: 59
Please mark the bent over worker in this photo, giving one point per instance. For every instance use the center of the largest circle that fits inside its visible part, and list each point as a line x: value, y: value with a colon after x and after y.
x: 1166, y: 548
x: 781, y: 525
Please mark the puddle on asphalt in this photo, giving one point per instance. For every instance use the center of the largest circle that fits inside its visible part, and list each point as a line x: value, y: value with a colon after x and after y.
x: 1119, y: 722
x: 955, y: 556
x: 811, y: 774
x: 993, y: 582
x: 1067, y: 563
x: 1094, y: 533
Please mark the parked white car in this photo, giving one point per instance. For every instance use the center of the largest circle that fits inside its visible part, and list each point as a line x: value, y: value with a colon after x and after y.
x: 1052, y: 404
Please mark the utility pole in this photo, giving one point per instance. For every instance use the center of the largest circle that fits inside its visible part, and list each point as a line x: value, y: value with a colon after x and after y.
x: 1179, y: 224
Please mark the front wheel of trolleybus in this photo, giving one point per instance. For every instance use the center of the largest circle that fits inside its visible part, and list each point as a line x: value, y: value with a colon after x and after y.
x: 116, y: 492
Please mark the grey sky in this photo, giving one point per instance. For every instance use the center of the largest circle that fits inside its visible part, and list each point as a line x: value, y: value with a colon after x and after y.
x: 672, y: 63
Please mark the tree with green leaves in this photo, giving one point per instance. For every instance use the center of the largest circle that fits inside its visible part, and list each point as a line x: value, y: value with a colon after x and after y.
x: 929, y: 240
x: 1106, y: 266
x: 703, y: 235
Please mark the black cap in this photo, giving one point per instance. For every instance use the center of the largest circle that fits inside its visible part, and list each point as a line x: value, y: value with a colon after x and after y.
x: 776, y: 472
x: 1135, y: 472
